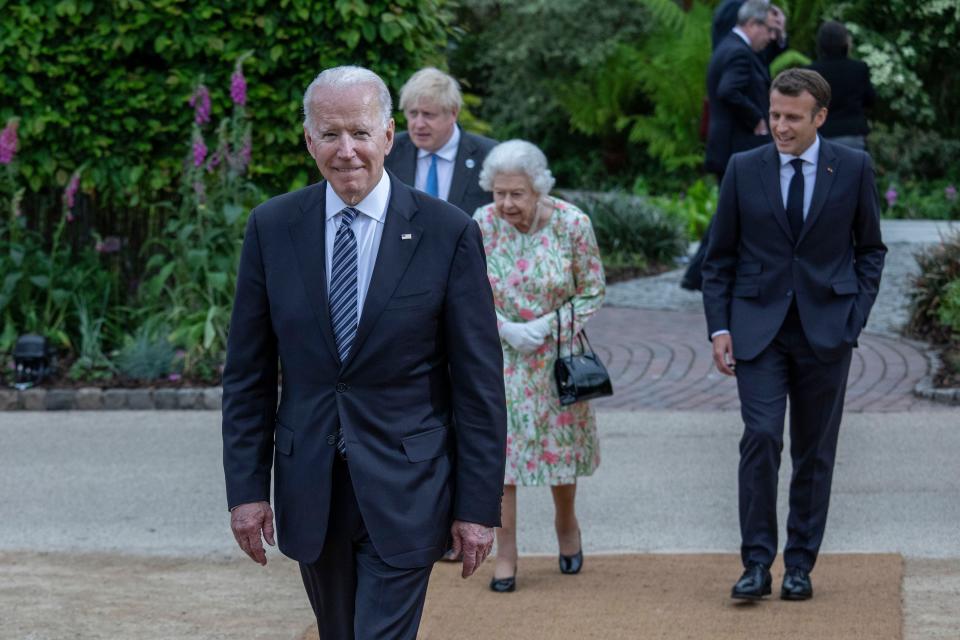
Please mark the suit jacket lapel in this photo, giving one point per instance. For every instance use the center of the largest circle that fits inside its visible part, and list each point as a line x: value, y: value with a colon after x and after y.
x: 770, y: 178
x: 406, y: 166
x: 393, y: 256
x: 308, y: 235
x: 827, y: 167
x: 461, y: 174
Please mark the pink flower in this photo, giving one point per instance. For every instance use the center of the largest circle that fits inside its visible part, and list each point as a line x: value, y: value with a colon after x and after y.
x: 238, y: 86
x: 174, y: 377
x: 545, y: 241
x: 527, y: 314
x: 891, y: 196
x: 70, y: 194
x: 9, y: 141
x: 522, y: 264
x: 200, y: 101
x: 199, y: 149
x: 568, y: 458
x: 950, y: 192
x: 531, y: 465
x: 564, y: 418
x: 550, y: 457
x: 527, y: 391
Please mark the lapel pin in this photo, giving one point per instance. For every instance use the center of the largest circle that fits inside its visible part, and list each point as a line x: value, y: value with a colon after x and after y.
x: 470, y: 164
x: 829, y: 169
x: 406, y: 236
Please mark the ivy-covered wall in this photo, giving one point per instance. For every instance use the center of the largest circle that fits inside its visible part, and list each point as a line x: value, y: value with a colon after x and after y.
x: 104, y: 86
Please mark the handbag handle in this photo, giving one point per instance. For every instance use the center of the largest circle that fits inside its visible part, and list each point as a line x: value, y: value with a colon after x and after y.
x: 582, y: 335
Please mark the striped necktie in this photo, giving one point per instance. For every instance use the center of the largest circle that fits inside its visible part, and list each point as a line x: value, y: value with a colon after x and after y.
x: 344, y: 310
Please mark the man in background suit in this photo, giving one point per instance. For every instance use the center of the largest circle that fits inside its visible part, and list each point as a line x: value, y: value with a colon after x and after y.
x: 792, y: 269
x: 725, y: 19
x: 738, y: 82
x: 375, y: 299
x: 435, y: 155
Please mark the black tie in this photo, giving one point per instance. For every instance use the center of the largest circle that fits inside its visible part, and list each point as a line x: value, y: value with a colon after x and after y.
x: 795, y: 199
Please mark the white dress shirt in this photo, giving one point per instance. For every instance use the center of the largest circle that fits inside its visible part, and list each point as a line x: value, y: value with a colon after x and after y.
x: 743, y: 35
x: 367, y: 227
x: 810, y: 158
x: 446, y: 157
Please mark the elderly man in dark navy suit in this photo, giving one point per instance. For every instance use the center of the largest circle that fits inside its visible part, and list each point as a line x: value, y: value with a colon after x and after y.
x: 374, y: 299
x: 792, y: 269
x: 435, y: 155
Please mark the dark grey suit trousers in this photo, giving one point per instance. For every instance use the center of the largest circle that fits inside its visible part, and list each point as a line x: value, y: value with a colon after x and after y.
x: 354, y: 594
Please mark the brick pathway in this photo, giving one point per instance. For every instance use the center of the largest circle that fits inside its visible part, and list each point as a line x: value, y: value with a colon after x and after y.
x: 662, y: 360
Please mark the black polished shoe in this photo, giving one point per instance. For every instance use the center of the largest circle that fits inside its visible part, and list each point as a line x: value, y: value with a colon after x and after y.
x: 753, y: 584
x: 571, y: 565
x: 796, y: 585
x: 504, y: 585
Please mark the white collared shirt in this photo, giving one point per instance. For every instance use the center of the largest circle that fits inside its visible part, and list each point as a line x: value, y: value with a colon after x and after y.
x: 810, y: 158
x: 367, y: 227
x: 446, y: 157
x: 743, y: 35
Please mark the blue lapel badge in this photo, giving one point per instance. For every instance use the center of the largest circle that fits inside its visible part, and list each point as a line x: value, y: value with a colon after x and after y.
x: 406, y: 236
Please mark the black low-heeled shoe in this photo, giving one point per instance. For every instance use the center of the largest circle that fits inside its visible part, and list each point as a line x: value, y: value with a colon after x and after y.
x: 571, y: 565
x: 504, y: 585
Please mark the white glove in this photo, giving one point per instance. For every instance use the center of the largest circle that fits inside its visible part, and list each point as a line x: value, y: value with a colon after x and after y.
x: 526, y: 337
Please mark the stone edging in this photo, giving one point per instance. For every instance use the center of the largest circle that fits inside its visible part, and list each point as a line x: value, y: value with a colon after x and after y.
x: 96, y: 399
x: 925, y: 388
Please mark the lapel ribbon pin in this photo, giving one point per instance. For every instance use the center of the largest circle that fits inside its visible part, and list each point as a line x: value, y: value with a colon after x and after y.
x: 406, y: 236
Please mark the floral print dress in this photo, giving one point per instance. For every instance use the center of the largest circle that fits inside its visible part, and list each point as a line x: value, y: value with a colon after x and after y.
x: 533, y: 275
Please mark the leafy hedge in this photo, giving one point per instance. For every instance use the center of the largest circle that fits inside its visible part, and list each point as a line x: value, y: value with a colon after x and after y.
x: 104, y: 85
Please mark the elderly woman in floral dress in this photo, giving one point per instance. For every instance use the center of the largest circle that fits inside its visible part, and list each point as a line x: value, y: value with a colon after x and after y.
x: 541, y: 257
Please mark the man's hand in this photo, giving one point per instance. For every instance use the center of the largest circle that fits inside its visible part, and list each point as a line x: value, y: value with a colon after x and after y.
x: 247, y: 522
x: 723, y: 354
x: 761, y: 128
x: 475, y: 542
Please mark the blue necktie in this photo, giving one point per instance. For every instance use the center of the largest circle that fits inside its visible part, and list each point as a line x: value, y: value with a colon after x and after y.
x: 343, y: 297
x: 433, y: 183
x: 795, y: 199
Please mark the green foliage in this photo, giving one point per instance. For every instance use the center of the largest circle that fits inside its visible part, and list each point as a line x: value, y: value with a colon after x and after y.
x: 106, y: 83
x: 935, y: 286
x: 789, y: 59
x: 91, y: 363
x: 803, y: 20
x: 693, y: 208
x: 147, y: 355
x: 518, y: 56
x: 922, y: 201
x: 949, y: 311
x: 910, y: 48
x: 909, y: 153
x: 631, y: 230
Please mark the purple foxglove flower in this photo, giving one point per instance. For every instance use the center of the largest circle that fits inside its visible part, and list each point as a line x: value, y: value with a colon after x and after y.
x: 238, y: 87
x: 201, y: 190
x: 174, y: 377
x: 70, y: 193
x: 950, y: 192
x: 200, y: 101
x: 891, y: 196
x: 8, y: 142
x: 199, y: 150
x: 110, y: 244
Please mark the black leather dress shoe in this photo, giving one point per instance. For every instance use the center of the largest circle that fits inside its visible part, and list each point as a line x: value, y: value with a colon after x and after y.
x: 753, y: 584
x: 796, y: 585
x: 571, y: 565
x: 504, y: 585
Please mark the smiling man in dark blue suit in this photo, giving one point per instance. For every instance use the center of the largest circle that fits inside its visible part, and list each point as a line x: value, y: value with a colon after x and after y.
x: 792, y: 269
x: 389, y: 438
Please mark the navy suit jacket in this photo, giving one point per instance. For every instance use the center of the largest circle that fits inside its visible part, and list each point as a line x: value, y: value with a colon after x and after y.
x: 755, y: 268
x: 465, y: 191
x: 420, y: 396
x: 738, y: 87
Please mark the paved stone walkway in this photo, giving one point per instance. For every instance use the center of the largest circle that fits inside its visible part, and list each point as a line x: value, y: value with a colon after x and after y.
x: 652, y: 335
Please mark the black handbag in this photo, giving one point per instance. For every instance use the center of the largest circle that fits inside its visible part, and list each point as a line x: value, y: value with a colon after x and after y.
x: 579, y: 376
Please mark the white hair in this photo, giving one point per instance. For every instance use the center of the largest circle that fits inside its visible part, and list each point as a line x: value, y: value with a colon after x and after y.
x: 347, y: 76
x: 517, y: 156
x: 433, y: 85
x: 755, y: 10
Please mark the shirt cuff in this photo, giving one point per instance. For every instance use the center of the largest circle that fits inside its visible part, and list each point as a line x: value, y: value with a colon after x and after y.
x: 721, y: 332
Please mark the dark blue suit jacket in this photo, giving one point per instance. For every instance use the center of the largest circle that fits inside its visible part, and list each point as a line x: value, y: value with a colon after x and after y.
x: 738, y: 87
x: 465, y: 191
x: 755, y: 268
x: 420, y: 397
